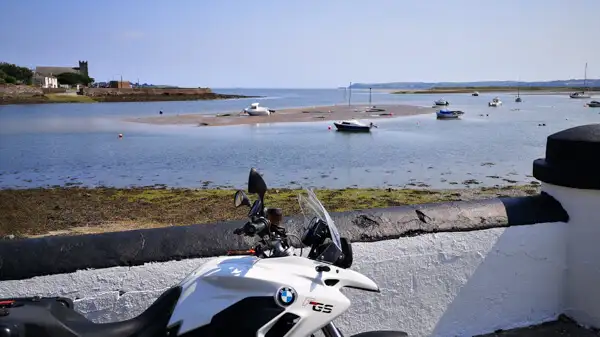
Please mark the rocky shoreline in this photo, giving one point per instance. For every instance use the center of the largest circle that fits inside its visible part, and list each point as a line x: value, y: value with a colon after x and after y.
x: 24, y: 94
x: 52, y: 98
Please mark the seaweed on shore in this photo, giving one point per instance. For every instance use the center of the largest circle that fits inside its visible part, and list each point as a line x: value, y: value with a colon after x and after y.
x: 77, y: 210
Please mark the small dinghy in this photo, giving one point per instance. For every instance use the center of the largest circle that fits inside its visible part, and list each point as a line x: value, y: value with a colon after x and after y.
x: 353, y: 126
x: 476, y: 93
x: 495, y: 102
x: 594, y: 104
x: 441, y: 102
x: 448, y: 114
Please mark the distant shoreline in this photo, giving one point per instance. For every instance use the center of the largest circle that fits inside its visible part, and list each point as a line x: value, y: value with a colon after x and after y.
x: 465, y: 90
x: 291, y: 115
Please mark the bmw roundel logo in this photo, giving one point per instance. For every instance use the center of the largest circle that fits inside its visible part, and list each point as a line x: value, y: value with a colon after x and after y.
x: 285, y: 296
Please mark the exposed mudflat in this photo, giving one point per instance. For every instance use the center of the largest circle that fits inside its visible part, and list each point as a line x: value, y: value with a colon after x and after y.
x: 311, y: 114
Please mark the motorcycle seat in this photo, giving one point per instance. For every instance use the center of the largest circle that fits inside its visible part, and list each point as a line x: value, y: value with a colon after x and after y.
x: 46, y: 319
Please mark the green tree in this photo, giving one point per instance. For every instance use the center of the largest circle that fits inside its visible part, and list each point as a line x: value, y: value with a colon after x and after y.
x: 17, y: 74
x: 73, y: 79
x: 10, y: 79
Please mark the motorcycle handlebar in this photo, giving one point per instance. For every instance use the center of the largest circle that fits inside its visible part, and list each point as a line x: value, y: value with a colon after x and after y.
x: 257, y: 226
x: 252, y: 228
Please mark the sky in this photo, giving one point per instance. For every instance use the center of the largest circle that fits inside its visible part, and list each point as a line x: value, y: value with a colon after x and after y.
x: 305, y: 43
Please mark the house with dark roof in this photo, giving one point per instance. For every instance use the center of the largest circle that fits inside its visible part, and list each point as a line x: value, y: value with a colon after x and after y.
x: 54, y: 71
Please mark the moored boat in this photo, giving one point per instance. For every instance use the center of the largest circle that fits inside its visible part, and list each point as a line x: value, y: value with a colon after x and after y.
x: 441, y: 101
x: 495, y: 102
x: 582, y: 94
x: 255, y: 110
x: 594, y: 104
x: 353, y: 126
x: 449, y: 114
x: 579, y: 94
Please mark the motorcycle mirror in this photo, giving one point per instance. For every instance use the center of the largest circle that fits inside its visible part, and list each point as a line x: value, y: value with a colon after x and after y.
x: 240, y: 198
x: 256, y: 184
x: 345, y: 261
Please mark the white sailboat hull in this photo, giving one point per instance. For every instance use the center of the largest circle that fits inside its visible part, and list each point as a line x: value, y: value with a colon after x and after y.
x: 582, y: 94
x: 577, y: 95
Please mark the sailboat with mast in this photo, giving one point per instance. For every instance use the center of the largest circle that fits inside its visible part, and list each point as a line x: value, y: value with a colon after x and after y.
x: 518, y: 99
x: 581, y: 94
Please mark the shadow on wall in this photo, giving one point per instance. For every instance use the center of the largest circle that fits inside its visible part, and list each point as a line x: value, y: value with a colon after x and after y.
x: 518, y: 283
x: 461, y: 284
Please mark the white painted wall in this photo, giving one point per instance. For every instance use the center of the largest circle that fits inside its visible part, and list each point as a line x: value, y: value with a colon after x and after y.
x: 583, y: 252
x: 448, y: 284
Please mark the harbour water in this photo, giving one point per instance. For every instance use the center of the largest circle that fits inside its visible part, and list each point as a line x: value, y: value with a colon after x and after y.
x: 77, y: 144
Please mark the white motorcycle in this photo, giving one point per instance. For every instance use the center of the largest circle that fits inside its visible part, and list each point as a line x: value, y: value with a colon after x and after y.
x: 266, y: 292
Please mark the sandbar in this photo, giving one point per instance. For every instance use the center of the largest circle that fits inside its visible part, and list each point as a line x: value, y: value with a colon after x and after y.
x: 293, y: 115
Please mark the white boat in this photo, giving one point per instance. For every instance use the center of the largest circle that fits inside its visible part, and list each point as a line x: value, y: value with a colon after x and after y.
x: 476, y: 93
x: 579, y: 94
x: 448, y: 114
x: 353, y: 125
x: 495, y: 102
x: 582, y: 94
x: 441, y: 101
x: 255, y: 110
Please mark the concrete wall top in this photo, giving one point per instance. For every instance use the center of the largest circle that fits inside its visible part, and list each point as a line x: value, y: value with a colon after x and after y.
x: 20, y: 259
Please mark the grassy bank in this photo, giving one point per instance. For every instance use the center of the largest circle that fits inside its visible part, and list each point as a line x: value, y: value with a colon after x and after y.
x: 35, y: 212
x: 57, y: 98
x: 462, y: 90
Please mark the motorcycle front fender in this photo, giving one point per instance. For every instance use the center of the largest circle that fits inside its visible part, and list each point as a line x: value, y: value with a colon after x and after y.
x: 382, y: 334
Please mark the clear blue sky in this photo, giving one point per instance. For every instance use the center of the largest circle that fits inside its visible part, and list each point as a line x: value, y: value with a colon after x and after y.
x: 305, y: 43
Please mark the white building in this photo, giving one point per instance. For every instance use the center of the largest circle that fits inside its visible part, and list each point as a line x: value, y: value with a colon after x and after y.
x: 46, y: 81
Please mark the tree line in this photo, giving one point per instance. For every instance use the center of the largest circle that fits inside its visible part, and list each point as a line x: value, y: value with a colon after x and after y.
x: 14, y: 74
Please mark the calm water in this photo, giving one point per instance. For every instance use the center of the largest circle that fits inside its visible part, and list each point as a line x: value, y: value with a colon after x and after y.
x: 45, y: 145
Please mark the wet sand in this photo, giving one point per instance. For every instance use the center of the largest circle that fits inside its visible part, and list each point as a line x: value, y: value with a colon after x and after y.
x: 295, y: 115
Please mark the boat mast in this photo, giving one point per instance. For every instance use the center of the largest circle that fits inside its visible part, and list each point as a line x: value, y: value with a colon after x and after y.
x: 584, y: 77
x: 349, y: 93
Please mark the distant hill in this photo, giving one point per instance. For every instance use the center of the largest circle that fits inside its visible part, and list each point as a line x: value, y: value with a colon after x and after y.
x: 428, y: 85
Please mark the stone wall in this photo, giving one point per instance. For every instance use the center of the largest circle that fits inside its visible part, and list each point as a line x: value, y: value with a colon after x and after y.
x: 95, y: 92
x: 19, y: 90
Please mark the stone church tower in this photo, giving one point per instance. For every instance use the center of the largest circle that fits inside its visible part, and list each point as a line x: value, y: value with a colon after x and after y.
x: 83, y: 68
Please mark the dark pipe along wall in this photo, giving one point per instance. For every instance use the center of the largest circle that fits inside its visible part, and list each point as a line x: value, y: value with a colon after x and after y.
x: 21, y: 259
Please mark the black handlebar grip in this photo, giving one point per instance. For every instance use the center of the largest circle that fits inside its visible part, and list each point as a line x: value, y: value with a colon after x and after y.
x: 259, y: 226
